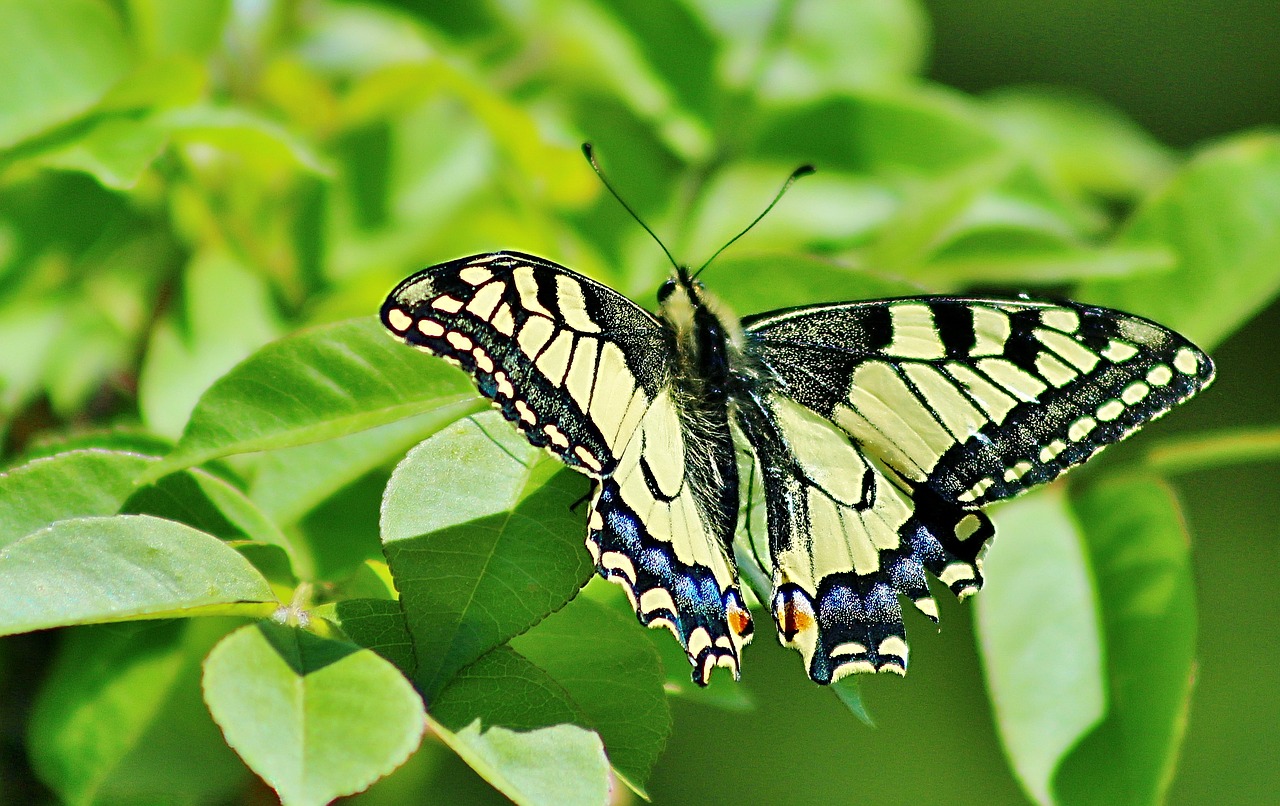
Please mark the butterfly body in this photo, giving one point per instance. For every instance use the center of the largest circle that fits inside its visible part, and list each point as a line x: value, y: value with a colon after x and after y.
x: 878, y: 430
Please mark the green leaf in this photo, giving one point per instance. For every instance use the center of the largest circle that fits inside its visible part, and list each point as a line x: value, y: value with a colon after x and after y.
x: 520, y: 730
x: 1084, y: 143
x: 756, y: 283
x: 290, y: 482
x: 478, y: 532
x: 1221, y: 218
x: 85, y: 570
x: 926, y: 131
x: 115, y: 151
x: 1039, y: 638
x: 1139, y: 551
x: 849, y: 692
x: 119, y: 718
x: 262, y: 144
x: 613, y: 675
x: 316, y: 719
x: 378, y: 624
x: 57, y: 59
x: 67, y: 485
x: 315, y: 385
x: 189, y: 352
x: 515, y: 762
x: 192, y: 27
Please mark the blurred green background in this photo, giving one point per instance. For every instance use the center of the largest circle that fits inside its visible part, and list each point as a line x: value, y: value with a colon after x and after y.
x: 183, y: 182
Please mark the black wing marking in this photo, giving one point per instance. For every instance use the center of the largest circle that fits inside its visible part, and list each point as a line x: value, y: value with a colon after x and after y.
x: 978, y: 400
x: 585, y: 373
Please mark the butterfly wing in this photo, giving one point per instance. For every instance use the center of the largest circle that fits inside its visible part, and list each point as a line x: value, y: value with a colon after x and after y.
x: 585, y: 373
x: 950, y: 404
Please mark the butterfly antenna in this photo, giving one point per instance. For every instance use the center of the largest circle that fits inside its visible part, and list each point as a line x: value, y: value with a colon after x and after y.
x: 591, y: 158
x: 803, y: 170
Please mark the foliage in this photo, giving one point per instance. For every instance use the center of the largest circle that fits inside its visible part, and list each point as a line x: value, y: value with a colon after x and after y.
x: 202, y: 204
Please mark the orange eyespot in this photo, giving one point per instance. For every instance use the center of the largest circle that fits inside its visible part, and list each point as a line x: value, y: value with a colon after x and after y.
x: 739, y: 621
x: 794, y: 620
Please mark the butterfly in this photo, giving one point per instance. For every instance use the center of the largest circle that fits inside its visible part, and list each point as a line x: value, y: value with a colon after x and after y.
x: 879, y: 430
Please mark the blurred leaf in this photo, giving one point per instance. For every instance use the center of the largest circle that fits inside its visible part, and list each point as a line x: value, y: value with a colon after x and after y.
x: 191, y: 27
x: 756, y: 283
x: 676, y: 45
x: 1086, y: 144
x: 27, y: 331
x: 1214, y: 449
x: 613, y: 675
x: 1221, y: 217
x: 72, y: 484
x: 57, y: 59
x: 516, y: 762
x: 315, y: 718
x: 1014, y: 267
x: 1039, y: 638
x: 314, y: 385
x: 1139, y: 550
x: 187, y: 355
x: 262, y: 144
x: 831, y: 45
x: 115, y: 151
x: 290, y: 482
x: 921, y: 131
x: 479, y: 535
x: 158, y: 84
x: 119, y: 717
x: 120, y: 568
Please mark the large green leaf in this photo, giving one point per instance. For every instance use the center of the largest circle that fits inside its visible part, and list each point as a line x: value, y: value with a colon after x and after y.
x: 1139, y: 550
x: 72, y: 484
x: 119, y: 718
x: 1221, y: 218
x: 57, y: 59
x: 289, y: 482
x: 314, y: 385
x: 613, y: 674
x: 85, y: 570
x: 1038, y: 630
x: 315, y: 718
x: 115, y: 151
x: 478, y: 531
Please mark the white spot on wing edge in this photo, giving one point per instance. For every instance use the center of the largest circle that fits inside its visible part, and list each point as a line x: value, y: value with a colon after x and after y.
x: 399, y: 320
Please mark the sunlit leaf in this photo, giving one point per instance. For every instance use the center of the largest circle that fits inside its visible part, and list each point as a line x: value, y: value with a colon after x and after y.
x: 68, y: 53
x: 85, y: 570
x: 115, y: 151
x: 1138, y: 548
x: 1039, y: 636
x: 1221, y: 218
x: 314, y: 385
x: 315, y: 718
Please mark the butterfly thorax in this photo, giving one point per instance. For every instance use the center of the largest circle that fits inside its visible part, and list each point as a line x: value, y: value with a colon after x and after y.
x: 707, y: 345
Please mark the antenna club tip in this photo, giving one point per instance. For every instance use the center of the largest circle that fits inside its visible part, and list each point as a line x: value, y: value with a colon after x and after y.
x: 803, y: 170
x: 588, y: 151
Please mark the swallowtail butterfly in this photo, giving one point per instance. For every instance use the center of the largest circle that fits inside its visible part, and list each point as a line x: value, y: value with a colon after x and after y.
x: 879, y: 430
